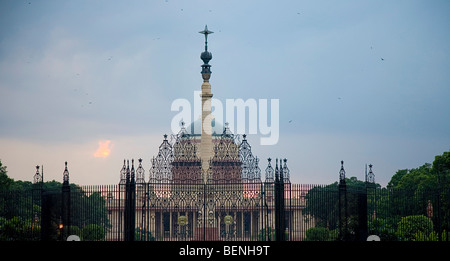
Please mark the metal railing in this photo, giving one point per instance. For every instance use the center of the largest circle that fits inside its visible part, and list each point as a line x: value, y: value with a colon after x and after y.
x: 225, y: 212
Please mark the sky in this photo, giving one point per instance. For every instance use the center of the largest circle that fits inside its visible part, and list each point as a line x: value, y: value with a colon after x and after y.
x: 92, y: 82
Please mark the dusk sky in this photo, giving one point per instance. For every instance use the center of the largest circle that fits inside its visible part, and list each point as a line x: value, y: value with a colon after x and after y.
x: 92, y: 82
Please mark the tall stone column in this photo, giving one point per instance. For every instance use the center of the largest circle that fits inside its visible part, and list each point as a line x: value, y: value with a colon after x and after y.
x: 208, y: 230
x: 206, y: 146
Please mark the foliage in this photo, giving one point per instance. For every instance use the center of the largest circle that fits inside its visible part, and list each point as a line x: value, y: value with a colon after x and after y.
x: 410, y: 227
x: 143, y: 235
x: 433, y: 236
x: 21, y: 200
x: 18, y: 229
x: 399, y: 210
x: 422, y: 185
x: 441, y: 163
x: 382, y: 228
x: 93, y: 232
x: 323, y: 202
x: 423, y: 236
x: 425, y: 176
x: 5, y: 181
x: 317, y: 234
x: 75, y: 230
x: 268, y: 235
x: 97, y: 214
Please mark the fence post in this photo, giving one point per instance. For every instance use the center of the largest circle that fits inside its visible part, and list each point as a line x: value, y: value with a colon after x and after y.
x: 364, y: 205
x: 130, y: 203
x: 37, y: 195
x: 439, y: 207
x: 45, y: 217
x: 65, y: 205
x: 126, y: 216
x: 342, y: 204
x: 362, y: 215
x: 279, y: 204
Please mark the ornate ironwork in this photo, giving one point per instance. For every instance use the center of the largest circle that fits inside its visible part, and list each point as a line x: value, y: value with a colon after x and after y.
x: 38, y: 178
x: 127, y: 180
x: 343, y: 209
x: 370, y: 177
x: 270, y: 173
x: 250, y: 169
x: 161, y: 170
x: 183, y: 133
x: 185, y: 149
x: 225, y: 165
x: 140, y: 173
x: 280, y: 221
x: 278, y: 173
x: 123, y: 174
x: 213, y: 209
x: 286, y: 174
x: 66, y: 174
x: 130, y: 203
x: 186, y: 165
x: 65, y: 210
x: 133, y: 172
x: 342, y: 173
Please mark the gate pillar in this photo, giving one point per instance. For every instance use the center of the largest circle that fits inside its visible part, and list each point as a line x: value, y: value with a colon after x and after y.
x: 279, y: 204
x: 130, y: 203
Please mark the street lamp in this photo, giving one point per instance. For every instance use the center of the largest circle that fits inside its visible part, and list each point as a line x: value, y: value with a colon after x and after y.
x: 60, y: 223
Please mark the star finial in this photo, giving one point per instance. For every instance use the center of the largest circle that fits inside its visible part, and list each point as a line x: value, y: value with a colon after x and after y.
x: 206, y: 32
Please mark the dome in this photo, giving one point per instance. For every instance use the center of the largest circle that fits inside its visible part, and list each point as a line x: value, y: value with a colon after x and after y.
x: 195, y: 128
x: 206, y: 57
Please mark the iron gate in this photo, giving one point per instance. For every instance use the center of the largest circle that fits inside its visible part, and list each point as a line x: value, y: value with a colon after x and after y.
x: 201, y: 211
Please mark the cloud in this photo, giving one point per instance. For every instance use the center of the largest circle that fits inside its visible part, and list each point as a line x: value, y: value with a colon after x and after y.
x: 67, y: 89
x: 103, y: 150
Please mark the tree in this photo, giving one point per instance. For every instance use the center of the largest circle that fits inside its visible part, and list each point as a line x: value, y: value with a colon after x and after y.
x: 5, y: 181
x: 19, y: 200
x: 322, y: 202
x: 412, y: 190
x: 441, y: 163
x: 441, y: 170
x: 17, y: 228
x: 425, y: 176
x: 393, y: 183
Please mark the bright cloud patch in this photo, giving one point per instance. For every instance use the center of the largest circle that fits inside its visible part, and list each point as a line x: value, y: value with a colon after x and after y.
x: 103, y: 149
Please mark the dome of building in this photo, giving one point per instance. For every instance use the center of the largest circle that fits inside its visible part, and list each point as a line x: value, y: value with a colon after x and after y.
x: 195, y: 128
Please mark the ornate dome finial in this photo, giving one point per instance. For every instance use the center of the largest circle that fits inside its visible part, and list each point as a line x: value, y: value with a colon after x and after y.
x: 206, y: 56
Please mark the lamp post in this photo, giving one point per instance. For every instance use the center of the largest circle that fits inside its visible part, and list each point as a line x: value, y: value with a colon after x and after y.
x: 61, y: 226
